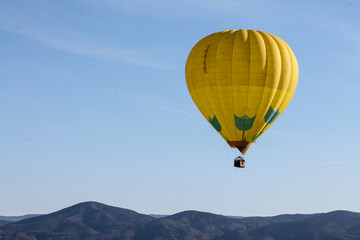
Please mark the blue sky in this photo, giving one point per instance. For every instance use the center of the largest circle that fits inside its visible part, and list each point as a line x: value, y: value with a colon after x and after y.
x: 94, y: 106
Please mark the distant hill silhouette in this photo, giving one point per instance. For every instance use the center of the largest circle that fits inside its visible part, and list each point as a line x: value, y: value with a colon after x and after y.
x: 18, y: 218
x: 92, y: 220
x: 6, y: 220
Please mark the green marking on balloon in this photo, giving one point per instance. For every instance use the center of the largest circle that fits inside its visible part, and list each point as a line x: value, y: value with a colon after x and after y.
x: 271, y: 114
x: 244, y: 123
x: 215, y: 123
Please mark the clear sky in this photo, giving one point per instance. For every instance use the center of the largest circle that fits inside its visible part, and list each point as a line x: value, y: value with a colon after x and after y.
x: 94, y: 107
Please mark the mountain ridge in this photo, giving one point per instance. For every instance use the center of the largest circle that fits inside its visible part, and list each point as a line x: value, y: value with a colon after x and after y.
x: 93, y: 220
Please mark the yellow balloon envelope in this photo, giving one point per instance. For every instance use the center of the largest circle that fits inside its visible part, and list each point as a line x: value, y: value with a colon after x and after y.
x: 241, y: 81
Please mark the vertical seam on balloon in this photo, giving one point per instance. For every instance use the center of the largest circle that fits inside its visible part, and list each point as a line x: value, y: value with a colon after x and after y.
x: 222, y: 109
x: 291, y: 56
x: 288, y: 84
x: 198, y: 99
x: 210, y: 106
x: 266, y: 126
x: 249, y: 75
x: 206, y: 95
x: 259, y: 127
x: 232, y: 83
x: 248, y: 134
x: 289, y: 80
x: 277, y: 87
x: 191, y: 78
x: 262, y: 96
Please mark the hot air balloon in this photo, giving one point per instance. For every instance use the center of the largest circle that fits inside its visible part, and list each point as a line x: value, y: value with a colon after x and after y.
x: 241, y: 81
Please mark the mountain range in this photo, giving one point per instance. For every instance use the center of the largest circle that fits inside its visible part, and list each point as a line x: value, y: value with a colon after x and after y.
x: 93, y: 220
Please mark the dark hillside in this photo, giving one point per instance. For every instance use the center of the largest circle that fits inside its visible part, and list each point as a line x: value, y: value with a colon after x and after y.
x: 89, y: 220
x: 339, y: 225
x: 92, y: 220
x: 3, y: 222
